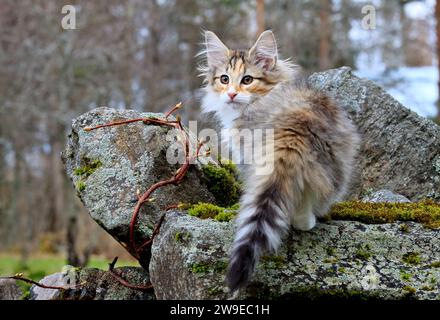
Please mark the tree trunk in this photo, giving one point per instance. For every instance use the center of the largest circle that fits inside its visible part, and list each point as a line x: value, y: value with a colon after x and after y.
x: 324, y: 34
x: 404, y: 31
x: 74, y: 258
x: 260, y: 17
x: 72, y: 253
x: 152, y: 54
x: 437, y: 16
x: 55, y: 189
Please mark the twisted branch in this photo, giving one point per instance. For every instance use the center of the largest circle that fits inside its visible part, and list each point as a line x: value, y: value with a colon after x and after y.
x: 19, y: 276
x: 145, y: 197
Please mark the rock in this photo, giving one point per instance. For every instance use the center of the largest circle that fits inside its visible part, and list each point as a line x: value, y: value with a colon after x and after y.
x: 384, y: 196
x: 400, y: 150
x: 96, y: 285
x: 337, y: 259
x: 56, y: 279
x: 107, y: 166
x: 10, y: 290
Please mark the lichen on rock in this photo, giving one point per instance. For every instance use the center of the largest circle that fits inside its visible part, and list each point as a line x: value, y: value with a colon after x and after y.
x: 400, y: 150
x: 94, y: 284
x: 367, y: 250
x: 109, y: 165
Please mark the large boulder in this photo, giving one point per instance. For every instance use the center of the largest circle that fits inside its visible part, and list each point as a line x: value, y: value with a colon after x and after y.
x: 109, y: 166
x: 400, y: 150
x: 400, y: 153
x: 339, y: 258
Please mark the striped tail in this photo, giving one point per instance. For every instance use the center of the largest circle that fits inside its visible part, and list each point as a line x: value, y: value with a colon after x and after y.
x: 262, y: 222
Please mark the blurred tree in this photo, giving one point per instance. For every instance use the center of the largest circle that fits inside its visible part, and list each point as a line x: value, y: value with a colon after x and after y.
x: 260, y: 17
x: 437, y: 16
x: 325, y: 33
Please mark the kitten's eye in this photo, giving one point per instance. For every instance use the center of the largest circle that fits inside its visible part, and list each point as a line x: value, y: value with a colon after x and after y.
x: 247, y: 80
x: 224, y: 79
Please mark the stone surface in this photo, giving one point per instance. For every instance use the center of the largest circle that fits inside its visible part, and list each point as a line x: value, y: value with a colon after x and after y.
x: 9, y: 290
x: 338, y: 258
x: 96, y: 285
x: 384, y: 196
x: 400, y: 150
x: 400, y: 153
x: 124, y: 159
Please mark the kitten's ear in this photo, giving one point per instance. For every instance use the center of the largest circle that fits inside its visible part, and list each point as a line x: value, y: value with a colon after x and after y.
x: 264, y: 52
x: 216, y: 52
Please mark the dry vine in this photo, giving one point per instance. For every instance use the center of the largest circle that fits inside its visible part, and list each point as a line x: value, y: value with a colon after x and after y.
x: 145, y: 197
x: 19, y: 276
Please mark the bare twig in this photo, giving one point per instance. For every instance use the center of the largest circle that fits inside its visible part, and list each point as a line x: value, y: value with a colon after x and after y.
x: 19, y: 276
x: 177, y: 106
x: 155, y: 232
x: 124, y: 282
x: 145, y: 197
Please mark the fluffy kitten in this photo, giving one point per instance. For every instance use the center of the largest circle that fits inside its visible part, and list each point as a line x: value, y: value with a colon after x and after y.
x: 311, y: 152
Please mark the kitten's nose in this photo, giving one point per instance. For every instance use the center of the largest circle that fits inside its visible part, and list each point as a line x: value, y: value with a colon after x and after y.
x: 232, y: 95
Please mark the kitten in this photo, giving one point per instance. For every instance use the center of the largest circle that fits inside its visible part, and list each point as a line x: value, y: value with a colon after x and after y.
x: 311, y: 153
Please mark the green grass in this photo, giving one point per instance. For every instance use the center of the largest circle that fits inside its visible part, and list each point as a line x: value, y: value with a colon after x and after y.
x: 37, y: 268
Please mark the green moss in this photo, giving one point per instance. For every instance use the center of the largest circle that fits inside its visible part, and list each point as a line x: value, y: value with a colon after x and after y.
x: 80, y: 185
x: 83, y: 172
x: 330, y: 251
x: 435, y: 264
x: 26, y: 295
x: 200, y: 267
x: 411, y: 258
x: 204, y: 210
x: 273, y: 262
x: 426, y: 212
x: 225, y: 216
x: 89, y: 167
x: 363, y: 253
x: 342, y: 270
x: 405, y: 276
x: 178, y: 236
x: 427, y: 288
x: 220, y: 266
x: 404, y: 228
x: 182, y: 236
x: 410, y: 290
x: 222, y: 182
x: 214, y: 291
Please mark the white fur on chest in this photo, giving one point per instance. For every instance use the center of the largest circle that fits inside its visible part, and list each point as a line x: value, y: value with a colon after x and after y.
x: 225, y: 111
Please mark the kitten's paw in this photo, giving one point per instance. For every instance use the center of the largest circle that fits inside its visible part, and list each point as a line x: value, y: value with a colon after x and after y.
x: 304, y: 222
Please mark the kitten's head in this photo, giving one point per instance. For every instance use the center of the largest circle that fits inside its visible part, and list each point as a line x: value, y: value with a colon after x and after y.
x: 235, y: 78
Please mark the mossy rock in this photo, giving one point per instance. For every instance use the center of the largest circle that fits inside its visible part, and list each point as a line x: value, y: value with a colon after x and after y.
x: 426, y: 212
x: 211, y: 211
x: 222, y: 181
x: 88, y: 168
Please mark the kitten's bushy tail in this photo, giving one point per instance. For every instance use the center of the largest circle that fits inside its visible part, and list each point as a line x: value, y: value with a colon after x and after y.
x: 261, y: 224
